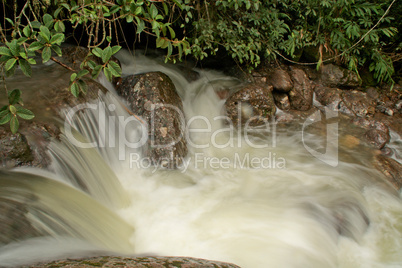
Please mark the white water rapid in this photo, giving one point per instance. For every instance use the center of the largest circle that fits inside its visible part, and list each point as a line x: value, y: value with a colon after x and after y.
x: 261, y: 201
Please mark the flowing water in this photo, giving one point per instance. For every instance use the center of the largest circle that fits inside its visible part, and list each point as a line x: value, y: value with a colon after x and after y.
x: 256, y: 199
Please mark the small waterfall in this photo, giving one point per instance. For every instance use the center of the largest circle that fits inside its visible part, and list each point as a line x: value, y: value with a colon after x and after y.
x: 264, y: 201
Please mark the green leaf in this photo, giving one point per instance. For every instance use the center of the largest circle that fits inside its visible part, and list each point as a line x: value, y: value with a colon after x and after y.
x: 75, y: 90
x: 35, y: 46
x: 5, y: 51
x: 73, y: 76
x: 25, y: 113
x: 172, y: 32
x: 97, y: 52
x: 14, y: 96
x: 46, y: 54
x: 48, y: 20
x: 5, y: 117
x: 27, y: 31
x: 153, y: 11
x: 31, y: 61
x: 108, y: 74
x: 10, y: 63
x: 14, y: 48
x: 12, y: 109
x: 4, y: 108
x: 140, y: 26
x: 115, y: 49
x: 114, y: 9
x: 10, y: 21
x: 57, y: 39
x: 14, y: 124
x: 96, y: 71
x: 106, y: 54
x: 82, y: 73
x: 129, y: 18
x: 59, y: 27
x: 44, y: 33
x: 83, y: 86
x: 91, y: 64
x: 25, y: 67
x: 5, y: 58
x: 57, y: 49
x: 36, y: 24
x: 114, y: 68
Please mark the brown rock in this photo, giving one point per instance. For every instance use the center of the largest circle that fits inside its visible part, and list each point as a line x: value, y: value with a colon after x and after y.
x: 355, y: 103
x: 301, y: 96
x: 281, y: 100
x: 139, y: 262
x: 377, y: 138
x: 391, y: 168
x: 327, y: 96
x: 334, y: 75
x: 251, y: 105
x: 153, y: 96
x: 280, y: 80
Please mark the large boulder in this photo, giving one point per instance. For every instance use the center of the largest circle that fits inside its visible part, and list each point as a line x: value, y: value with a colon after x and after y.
x: 334, y: 75
x: 301, y: 95
x: 139, y: 262
x: 153, y: 96
x: 252, y: 105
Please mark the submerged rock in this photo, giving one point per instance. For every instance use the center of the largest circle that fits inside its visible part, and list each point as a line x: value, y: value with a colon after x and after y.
x: 139, y: 262
x: 153, y: 96
x: 252, y: 105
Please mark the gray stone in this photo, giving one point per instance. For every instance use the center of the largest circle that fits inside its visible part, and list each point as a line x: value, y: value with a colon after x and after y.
x: 252, y: 103
x: 153, y: 96
x: 136, y: 262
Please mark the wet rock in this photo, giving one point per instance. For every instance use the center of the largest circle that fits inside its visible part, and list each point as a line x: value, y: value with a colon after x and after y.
x: 138, y: 262
x: 153, y: 96
x: 301, y: 95
x: 190, y: 74
x: 281, y: 100
x: 391, y: 168
x: 252, y: 105
x: 377, y: 138
x: 356, y: 103
x: 280, y: 80
x: 327, y: 96
x: 372, y: 93
x: 334, y: 75
x: 377, y: 133
x: 15, y: 150
x: 398, y: 105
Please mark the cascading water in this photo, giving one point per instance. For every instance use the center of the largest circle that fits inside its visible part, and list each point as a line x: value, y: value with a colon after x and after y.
x: 264, y: 201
